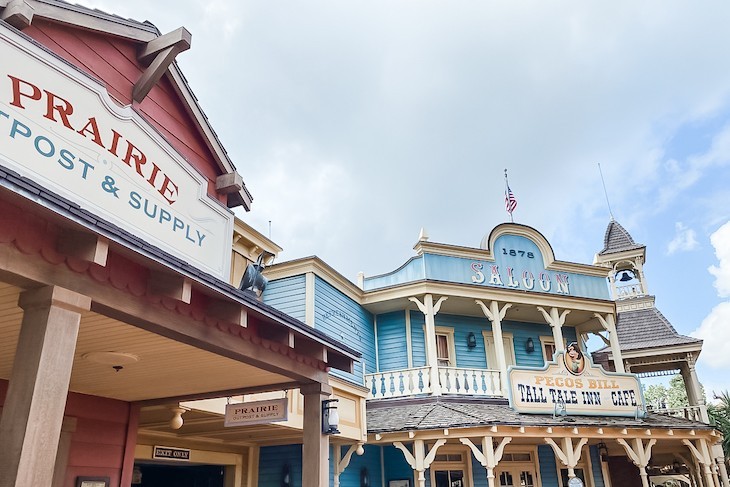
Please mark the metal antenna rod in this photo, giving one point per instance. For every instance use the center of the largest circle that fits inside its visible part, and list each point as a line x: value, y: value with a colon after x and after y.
x: 605, y: 192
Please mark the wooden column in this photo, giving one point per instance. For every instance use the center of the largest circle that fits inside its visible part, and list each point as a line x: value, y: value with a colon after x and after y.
x: 640, y: 455
x: 315, y: 450
x: 488, y: 456
x: 609, y: 324
x: 429, y: 311
x: 556, y: 320
x: 32, y: 417
x: 419, y: 460
x: 495, y: 314
x: 569, y: 455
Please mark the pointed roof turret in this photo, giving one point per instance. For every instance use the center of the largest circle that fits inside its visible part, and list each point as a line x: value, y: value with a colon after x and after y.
x: 617, y: 239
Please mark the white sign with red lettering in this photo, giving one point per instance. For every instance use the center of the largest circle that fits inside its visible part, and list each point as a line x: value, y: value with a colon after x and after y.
x: 61, y: 129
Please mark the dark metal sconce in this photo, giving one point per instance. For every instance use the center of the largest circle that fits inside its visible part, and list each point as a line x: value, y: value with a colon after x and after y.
x: 471, y: 340
x: 603, y: 451
x: 285, y: 476
x: 330, y: 417
x: 530, y: 345
x: 364, y: 478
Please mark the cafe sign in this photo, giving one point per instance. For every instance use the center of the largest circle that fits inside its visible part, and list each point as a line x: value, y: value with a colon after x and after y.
x: 60, y: 128
x: 257, y: 412
x: 572, y: 385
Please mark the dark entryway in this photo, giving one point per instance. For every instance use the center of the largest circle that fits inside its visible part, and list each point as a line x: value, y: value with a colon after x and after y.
x: 154, y: 475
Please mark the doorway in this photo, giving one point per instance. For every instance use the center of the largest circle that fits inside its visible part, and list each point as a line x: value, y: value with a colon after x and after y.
x: 164, y: 475
x: 450, y: 469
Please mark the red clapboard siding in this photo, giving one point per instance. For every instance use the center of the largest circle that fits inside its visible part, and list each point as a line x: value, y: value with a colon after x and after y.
x: 95, y: 455
x: 114, y: 62
x: 101, y: 432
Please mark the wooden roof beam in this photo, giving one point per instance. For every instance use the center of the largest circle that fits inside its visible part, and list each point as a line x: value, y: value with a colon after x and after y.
x: 159, y: 53
x: 18, y: 13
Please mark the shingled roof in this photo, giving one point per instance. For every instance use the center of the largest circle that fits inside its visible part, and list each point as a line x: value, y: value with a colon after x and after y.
x: 647, y: 328
x: 436, y: 413
x: 617, y: 239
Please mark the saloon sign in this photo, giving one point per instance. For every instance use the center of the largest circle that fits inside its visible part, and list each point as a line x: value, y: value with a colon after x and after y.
x: 574, y: 382
x: 61, y: 129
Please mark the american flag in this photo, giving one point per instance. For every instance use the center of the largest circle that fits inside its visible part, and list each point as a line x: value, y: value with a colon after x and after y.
x: 510, y: 202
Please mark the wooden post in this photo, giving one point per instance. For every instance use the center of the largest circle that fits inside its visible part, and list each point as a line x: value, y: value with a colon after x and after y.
x: 640, y: 455
x: 33, y: 413
x: 556, y: 320
x: 315, y: 450
x: 429, y: 311
x: 489, y: 457
x: 495, y: 314
x: 609, y: 324
x: 569, y: 455
x: 419, y: 460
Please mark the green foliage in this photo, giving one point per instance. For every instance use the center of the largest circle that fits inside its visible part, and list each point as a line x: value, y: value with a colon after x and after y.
x: 674, y: 396
x: 720, y: 416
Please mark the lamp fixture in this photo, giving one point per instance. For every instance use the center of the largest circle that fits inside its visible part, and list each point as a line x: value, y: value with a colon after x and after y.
x: 176, y: 421
x: 603, y: 451
x: 471, y: 340
x: 560, y: 409
x: 330, y: 417
x: 364, y: 478
x: 676, y: 466
x: 530, y: 345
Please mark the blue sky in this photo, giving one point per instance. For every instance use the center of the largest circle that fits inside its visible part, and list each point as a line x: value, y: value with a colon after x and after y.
x: 354, y: 124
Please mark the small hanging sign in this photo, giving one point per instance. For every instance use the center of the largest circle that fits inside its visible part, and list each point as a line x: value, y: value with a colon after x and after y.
x: 257, y: 412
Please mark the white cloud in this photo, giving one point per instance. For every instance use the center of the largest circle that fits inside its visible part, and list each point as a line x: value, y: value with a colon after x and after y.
x: 685, y: 239
x: 715, y: 332
x: 714, y: 329
x: 721, y: 241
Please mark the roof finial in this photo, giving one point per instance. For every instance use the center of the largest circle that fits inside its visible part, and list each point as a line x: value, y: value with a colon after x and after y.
x: 605, y: 192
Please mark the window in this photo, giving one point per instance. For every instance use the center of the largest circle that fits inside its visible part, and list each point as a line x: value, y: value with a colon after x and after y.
x: 548, y: 349
x: 442, y: 350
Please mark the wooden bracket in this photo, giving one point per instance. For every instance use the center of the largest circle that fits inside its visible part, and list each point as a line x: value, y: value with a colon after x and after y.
x: 170, y: 285
x: 159, y: 53
x: 84, y: 246
x: 227, y: 311
x: 18, y: 13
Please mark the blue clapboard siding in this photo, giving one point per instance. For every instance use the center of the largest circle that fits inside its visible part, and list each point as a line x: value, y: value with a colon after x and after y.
x: 548, y: 468
x: 479, y: 473
x: 271, y: 465
x: 369, y: 460
x: 287, y: 295
x: 392, y: 341
x: 466, y: 357
x: 520, y: 333
x: 418, y: 338
x: 596, y: 467
x: 395, y: 465
x: 343, y: 319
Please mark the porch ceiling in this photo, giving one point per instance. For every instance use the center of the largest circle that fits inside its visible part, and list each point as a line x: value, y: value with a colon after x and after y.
x: 166, y: 368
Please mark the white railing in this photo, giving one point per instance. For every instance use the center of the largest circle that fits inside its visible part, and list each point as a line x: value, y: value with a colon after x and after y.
x: 629, y: 291
x: 397, y: 383
x: 474, y: 382
x: 452, y: 380
x: 693, y: 413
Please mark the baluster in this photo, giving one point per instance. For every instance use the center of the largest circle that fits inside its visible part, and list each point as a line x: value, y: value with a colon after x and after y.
x: 426, y: 381
x: 444, y: 380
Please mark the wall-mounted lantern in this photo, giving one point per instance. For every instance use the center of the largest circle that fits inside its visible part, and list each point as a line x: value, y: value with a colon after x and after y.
x: 530, y: 345
x: 330, y: 417
x: 471, y: 340
x: 603, y: 451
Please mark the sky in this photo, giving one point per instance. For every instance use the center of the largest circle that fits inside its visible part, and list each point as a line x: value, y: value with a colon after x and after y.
x: 355, y: 124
